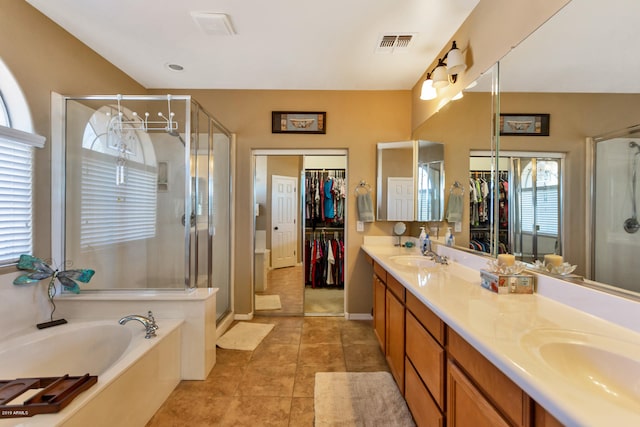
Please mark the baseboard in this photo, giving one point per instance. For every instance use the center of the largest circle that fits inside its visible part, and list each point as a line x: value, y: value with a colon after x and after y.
x: 247, y: 316
x: 358, y: 316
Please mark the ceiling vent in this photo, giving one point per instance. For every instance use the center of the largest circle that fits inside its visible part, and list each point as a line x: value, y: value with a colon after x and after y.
x: 213, y: 24
x: 394, y: 43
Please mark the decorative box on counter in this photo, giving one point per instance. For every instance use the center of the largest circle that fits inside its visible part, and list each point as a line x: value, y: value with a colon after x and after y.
x: 521, y: 283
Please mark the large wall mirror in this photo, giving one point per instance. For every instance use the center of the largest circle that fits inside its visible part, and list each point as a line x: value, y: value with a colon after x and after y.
x: 586, y: 80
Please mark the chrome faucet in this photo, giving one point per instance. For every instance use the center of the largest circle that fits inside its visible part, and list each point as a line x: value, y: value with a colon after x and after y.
x: 149, y: 323
x: 438, y: 259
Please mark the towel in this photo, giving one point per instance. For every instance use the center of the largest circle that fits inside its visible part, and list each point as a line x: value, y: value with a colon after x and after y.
x: 365, y: 207
x: 454, y: 208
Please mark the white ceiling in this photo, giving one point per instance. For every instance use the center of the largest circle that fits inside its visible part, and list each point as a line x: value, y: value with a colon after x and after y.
x: 589, y: 46
x: 280, y: 44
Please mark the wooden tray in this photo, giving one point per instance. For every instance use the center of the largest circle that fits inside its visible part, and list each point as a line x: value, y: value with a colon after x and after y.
x: 56, y: 393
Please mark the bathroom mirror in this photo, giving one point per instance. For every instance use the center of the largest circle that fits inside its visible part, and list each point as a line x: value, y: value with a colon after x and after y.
x: 395, y: 181
x: 561, y: 73
x: 410, y: 181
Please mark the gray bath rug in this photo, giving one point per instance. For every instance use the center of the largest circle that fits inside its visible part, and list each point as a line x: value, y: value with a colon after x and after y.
x: 244, y: 336
x: 359, y: 399
x: 268, y: 302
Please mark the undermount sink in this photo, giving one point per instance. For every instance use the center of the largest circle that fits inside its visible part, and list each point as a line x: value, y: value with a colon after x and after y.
x: 595, y: 363
x: 417, y: 261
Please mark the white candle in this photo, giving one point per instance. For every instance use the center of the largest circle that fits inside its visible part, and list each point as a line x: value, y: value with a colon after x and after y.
x: 506, y: 259
x: 554, y: 260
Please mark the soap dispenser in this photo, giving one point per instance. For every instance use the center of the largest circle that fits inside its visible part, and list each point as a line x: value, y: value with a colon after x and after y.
x: 422, y: 239
x: 448, y: 238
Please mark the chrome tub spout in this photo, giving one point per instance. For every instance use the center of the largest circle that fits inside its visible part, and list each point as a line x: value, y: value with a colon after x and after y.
x: 149, y: 323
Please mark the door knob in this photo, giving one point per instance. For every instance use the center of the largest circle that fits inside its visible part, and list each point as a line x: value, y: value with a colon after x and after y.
x: 275, y: 228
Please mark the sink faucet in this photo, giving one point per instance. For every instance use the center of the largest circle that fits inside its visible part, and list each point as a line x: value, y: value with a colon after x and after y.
x: 439, y: 259
x: 149, y: 323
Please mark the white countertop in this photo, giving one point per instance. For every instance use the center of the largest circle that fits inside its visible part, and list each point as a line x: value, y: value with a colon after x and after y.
x: 532, y: 339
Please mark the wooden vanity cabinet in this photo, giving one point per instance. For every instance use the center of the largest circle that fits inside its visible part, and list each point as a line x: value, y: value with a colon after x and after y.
x: 469, y: 369
x: 395, y: 328
x: 379, y: 309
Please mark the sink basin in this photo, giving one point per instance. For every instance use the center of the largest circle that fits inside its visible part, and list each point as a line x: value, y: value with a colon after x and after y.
x: 596, y: 363
x: 417, y: 261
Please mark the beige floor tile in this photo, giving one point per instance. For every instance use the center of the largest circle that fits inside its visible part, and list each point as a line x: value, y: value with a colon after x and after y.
x: 267, y: 353
x: 364, y: 358
x: 302, y: 413
x: 251, y: 412
x: 321, y: 354
x: 306, y: 378
x: 274, y: 380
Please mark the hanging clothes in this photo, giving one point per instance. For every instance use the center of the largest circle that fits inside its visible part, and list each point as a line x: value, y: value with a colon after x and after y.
x: 324, y: 260
x: 324, y: 197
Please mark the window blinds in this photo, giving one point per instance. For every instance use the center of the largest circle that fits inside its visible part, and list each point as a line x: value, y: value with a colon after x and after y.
x: 111, y: 213
x: 16, y: 192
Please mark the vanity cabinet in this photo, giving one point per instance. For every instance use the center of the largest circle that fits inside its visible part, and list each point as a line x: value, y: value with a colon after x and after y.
x: 444, y: 379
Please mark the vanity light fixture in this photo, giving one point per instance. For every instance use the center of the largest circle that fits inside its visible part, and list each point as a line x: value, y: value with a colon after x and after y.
x: 445, y: 73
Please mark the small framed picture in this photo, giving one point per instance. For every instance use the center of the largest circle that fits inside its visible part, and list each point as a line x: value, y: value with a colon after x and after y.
x: 524, y: 124
x: 298, y: 122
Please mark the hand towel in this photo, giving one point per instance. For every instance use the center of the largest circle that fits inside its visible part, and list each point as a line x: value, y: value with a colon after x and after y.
x: 365, y: 207
x: 454, y: 207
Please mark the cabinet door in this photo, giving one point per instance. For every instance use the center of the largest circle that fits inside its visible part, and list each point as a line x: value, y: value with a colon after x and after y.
x: 395, y: 338
x: 467, y: 406
x: 379, y: 311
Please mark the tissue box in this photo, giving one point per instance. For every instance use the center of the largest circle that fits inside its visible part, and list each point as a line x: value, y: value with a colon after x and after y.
x: 507, y: 283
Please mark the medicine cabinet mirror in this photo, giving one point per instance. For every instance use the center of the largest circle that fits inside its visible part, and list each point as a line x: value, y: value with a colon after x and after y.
x: 410, y: 181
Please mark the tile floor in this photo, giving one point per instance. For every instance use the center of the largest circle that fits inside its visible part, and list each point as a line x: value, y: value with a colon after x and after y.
x: 273, y: 385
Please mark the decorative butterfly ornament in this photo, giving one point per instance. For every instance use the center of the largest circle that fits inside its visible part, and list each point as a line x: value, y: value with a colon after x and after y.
x: 39, y: 270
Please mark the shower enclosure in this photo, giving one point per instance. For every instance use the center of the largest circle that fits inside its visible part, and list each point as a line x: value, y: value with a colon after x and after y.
x: 614, y: 239
x: 142, y: 193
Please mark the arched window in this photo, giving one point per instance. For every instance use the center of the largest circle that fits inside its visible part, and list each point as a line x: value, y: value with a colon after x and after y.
x: 16, y: 170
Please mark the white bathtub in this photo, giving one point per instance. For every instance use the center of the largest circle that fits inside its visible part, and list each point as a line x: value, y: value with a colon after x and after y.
x: 135, y: 375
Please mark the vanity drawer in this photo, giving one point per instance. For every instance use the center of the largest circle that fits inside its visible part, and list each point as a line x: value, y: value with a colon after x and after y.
x: 424, y: 410
x: 512, y: 402
x: 379, y: 271
x: 428, y: 358
x: 396, y: 288
x: 426, y: 317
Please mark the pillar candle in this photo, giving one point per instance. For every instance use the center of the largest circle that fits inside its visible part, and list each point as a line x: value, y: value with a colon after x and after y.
x: 551, y: 259
x: 506, y: 259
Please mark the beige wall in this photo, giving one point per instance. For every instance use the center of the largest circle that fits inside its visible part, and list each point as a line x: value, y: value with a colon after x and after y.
x: 356, y: 121
x: 45, y: 58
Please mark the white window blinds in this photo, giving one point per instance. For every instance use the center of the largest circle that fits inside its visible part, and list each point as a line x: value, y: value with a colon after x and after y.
x: 112, y: 213
x: 16, y: 192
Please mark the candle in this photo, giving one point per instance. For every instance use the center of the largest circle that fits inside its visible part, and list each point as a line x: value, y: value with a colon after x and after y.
x: 506, y: 259
x: 554, y: 260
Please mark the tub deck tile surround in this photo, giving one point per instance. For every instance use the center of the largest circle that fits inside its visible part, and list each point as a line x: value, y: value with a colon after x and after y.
x: 261, y: 388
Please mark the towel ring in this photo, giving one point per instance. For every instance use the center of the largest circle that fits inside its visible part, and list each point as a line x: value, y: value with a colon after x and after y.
x: 456, y: 186
x: 362, y: 188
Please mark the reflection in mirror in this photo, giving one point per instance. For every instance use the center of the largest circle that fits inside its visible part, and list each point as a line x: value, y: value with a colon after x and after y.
x: 395, y: 197
x: 430, y: 177
x: 560, y: 72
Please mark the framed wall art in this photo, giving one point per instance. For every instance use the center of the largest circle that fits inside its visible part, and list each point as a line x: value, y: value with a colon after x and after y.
x: 298, y: 122
x: 524, y: 124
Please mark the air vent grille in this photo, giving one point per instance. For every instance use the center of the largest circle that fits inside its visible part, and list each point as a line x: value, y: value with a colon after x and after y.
x: 390, y: 43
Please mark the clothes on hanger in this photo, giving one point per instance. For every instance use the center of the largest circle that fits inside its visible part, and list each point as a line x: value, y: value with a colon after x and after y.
x: 324, y: 259
x: 324, y: 197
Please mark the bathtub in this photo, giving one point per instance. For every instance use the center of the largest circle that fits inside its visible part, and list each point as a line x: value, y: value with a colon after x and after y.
x: 135, y: 375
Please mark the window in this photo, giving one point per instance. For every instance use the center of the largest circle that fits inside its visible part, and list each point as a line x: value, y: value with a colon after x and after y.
x: 547, y: 198
x: 16, y: 192
x: 16, y: 170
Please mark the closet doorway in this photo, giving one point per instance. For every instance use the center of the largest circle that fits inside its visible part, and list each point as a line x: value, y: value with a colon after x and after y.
x: 315, y: 284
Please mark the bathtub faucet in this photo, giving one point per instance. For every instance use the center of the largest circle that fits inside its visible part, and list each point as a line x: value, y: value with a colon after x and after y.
x: 149, y: 323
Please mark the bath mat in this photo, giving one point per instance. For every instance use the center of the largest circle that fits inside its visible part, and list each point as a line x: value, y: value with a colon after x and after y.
x: 268, y: 302
x: 244, y: 336
x: 359, y: 398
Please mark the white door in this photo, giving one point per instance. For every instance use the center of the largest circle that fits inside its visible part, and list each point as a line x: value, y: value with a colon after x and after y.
x: 399, y: 199
x: 284, y: 232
